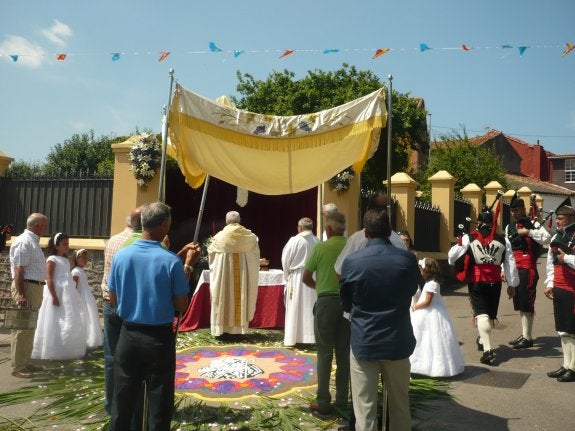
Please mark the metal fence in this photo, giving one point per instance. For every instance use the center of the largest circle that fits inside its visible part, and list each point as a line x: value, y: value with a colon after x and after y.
x: 461, y: 213
x: 80, y: 207
x: 427, y: 224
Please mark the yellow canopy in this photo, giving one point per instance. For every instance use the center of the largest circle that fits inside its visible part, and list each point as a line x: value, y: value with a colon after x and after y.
x: 270, y: 154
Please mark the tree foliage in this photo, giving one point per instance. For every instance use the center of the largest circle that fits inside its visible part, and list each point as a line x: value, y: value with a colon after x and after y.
x: 466, y: 162
x: 81, y: 155
x: 282, y: 94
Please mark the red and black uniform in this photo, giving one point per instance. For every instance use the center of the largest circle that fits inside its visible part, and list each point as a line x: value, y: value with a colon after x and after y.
x: 485, y: 254
x: 526, y: 251
x: 564, y: 282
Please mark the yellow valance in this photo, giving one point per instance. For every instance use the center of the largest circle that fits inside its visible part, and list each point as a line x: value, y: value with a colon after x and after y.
x: 269, y: 154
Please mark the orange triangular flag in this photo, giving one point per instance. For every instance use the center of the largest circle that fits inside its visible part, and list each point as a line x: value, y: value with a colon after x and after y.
x: 570, y: 47
x: 163, y: 55
x: 379, y: 52
x: 286, y: 53
x: 60, y: 57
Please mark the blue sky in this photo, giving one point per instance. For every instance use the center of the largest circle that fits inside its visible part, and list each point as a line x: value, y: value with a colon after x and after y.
x: 44, y: 101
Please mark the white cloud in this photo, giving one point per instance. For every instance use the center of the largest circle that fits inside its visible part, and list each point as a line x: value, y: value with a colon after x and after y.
x: 57, y: 33
x: 79, y: 125
x: 29, y: 53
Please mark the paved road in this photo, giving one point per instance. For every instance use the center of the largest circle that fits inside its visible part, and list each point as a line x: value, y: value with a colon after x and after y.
x: 516, y: 395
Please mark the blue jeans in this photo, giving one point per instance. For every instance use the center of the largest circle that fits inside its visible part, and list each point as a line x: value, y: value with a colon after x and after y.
x: 112, y: 326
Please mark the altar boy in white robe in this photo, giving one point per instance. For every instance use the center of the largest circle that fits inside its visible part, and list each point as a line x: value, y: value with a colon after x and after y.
x: 298, y: 298
x: 234, y: 257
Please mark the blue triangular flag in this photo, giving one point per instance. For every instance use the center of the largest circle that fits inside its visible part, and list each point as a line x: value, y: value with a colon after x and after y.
x: 214, y: 48
x: 115, y: 56
x: 329, y: 51
x: 423, y: 47
x: 506, y: 46
x: 237, y: 52
x: 14, y: 57
x: 521, y: 49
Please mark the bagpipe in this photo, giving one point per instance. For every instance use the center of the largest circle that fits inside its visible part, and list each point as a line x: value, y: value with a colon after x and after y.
x: 5, y: 232
x: 564, y: 241
x: 462, y: 264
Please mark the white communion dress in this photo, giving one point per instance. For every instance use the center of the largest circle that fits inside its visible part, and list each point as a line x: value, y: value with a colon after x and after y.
x: 60, y: 332
x: 437, y: 352
x: 94, y: 336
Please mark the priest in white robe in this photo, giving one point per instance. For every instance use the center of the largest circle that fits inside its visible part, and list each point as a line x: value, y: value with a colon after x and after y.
x: 234, y: 257
x: 299, y: 299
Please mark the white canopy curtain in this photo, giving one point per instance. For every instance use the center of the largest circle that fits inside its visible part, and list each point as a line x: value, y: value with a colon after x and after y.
x: 269, y: 154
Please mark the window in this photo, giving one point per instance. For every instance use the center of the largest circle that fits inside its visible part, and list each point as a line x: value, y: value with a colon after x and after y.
x: 570, y: 170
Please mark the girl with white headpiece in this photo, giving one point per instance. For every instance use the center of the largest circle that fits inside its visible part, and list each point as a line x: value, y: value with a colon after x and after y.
x: 60, y: 332
x: 437, y: 352
x: 94, y: 337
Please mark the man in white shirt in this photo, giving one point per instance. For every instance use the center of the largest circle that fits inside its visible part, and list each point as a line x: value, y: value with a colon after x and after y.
x: 299, y: 299
x: 358, y: 240
x: 28, y: 268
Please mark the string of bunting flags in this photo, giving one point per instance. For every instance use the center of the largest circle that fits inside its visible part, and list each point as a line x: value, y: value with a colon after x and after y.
x: 375, y: 52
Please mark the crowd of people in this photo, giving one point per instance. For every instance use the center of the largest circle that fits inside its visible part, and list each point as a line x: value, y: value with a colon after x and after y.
x: 366, y: 299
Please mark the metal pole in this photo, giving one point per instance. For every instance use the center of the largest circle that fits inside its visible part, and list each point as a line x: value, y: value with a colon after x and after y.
x: 201, y: 211
x: 389, y: 130
x: 162, y: 186
x: 320, y: 232
x: 429, y: 139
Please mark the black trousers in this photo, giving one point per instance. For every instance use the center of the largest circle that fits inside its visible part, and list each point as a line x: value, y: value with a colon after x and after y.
x: 144, y: 354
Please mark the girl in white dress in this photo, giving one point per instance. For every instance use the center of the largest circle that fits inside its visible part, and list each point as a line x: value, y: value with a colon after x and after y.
x: 60, y: 333
x: 93, y: 329
x: 437, y: 352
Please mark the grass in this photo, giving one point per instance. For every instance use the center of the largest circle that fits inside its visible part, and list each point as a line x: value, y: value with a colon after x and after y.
x: 71, y: 394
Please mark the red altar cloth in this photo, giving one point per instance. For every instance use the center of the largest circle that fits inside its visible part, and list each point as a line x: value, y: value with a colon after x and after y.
x: 270, y: 310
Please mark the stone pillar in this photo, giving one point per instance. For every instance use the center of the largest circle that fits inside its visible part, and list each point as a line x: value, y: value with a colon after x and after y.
x: 474, y: 194
x: 491, y: 194
x: 4, y: 163
x: 127, y: 194
x: 442, y: 196
x: 525, y: 194
x: 403, y: 188
x: 347, y: 202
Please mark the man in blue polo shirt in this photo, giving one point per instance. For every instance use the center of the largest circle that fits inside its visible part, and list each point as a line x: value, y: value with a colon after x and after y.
x: 149, y: 285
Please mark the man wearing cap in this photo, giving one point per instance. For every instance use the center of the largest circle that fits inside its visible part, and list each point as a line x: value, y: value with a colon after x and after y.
x: 28, y: 267
x: 484, y: 252
x: 560, y: 288
x: 526, y: 238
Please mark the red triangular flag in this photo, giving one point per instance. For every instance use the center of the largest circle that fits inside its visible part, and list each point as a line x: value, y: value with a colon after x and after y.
x: 465, y: 47
x: 286, y: 53
x: 163, y: 55
x: 379, y: 52
x: 60, y: 57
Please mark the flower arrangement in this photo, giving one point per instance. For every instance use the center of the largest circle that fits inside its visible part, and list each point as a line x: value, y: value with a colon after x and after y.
x: 341, y: 182
x: 145, y: 159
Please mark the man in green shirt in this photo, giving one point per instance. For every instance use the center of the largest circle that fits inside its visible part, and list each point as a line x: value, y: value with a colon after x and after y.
x: 330, y: 327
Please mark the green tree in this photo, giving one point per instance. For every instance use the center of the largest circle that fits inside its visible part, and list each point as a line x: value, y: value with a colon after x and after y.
x: 281, y: 94
x: 466, y: 162
x: 22, y: 169
x: 83, y: 154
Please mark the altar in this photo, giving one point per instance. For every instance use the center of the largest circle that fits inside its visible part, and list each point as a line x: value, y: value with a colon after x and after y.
x: 270, y: 309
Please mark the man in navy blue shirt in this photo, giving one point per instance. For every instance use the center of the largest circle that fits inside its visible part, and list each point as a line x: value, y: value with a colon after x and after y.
x: 377, y: 284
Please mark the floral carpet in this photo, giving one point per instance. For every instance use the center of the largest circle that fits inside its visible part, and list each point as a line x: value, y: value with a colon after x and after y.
x: 234, y: 372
